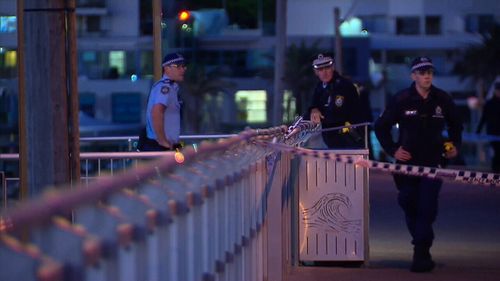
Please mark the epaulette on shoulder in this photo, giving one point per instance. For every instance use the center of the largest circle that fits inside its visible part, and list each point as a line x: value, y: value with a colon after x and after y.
x: 167, y: 81
x: 163, y: 82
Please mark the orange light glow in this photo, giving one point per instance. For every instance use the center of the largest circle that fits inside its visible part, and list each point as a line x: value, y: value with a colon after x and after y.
x: 179, y: 157
x: 184, y: 15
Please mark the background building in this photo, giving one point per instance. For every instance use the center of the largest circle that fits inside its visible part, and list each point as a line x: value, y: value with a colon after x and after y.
x: 380, y: 37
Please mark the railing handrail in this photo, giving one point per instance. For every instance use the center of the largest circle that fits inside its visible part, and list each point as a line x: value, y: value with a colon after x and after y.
x: 38, y: 210
x: 182, y: 137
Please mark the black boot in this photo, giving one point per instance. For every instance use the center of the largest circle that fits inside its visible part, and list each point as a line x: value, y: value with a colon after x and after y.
x: 422, y: 260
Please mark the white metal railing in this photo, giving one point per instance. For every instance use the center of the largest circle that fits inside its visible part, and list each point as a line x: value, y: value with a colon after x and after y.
x: 95, y: 164
x: 131, y: 141
x: 92, y: 164
x: 206, y: 219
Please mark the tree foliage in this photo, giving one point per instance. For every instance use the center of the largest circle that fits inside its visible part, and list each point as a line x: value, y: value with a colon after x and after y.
x: 299, y: 76
x: 482, y: 62
x: 200, y: 87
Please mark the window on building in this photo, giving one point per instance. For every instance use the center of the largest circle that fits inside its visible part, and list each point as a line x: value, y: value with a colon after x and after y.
x: 210, y: 58
x: 116, y: 64
x: 146, y: 18
x: 479, y: 23
x: 350, y: 64
x: 93, y: 23
x: 251, y: 106
x: 374, y: 23
x: 87, y: 103
x: 126, y: 107
x: 8, y: 24
x: 407, y: 25
x: 289, y: 105
x: 433, y: 25
x: 11, y: 58
x: 91, y: 3
x: 236, y: 60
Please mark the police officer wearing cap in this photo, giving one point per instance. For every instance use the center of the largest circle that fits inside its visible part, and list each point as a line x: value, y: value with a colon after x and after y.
x: 163, y: 113
x: 423, y: 112
x: 335, y: 103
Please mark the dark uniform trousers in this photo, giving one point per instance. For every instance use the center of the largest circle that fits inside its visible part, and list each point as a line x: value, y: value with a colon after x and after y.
x: 152, y: 145
x: 418, y: 197
x: 147, y: 144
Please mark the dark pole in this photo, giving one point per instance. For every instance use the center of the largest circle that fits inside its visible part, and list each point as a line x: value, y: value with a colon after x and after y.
x: 23, y: 152
x: 47, y: 105
x: 279, y: 62
x: 338, y: 41
x: 74, y: 102
x: 157, y: 14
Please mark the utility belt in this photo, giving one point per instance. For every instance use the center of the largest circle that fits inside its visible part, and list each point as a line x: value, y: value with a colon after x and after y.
x: 147, y: 144
x: 153, y: 145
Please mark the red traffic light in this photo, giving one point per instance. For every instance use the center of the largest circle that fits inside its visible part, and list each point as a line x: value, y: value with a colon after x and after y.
x: 184, y: 15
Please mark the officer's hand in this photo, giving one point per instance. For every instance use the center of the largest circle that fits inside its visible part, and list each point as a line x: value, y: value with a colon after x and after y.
x: 316, y: 116
x: 402, y: 155
x: 451, y: 153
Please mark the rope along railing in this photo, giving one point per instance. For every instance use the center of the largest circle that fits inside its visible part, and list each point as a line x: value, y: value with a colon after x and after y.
x: 203, y: 219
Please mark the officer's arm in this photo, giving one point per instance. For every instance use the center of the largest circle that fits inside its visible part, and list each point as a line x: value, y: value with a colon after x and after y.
x: 354, y: 105
x: 482, y: 120
x: 383, y: 127
x: 157, y: 114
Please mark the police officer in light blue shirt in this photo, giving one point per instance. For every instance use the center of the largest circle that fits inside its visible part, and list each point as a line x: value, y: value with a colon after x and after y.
x: 163, y: 112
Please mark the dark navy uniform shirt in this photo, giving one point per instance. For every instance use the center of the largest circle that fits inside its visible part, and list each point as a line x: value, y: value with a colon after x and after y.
x: 421, y: 125
x: 491, y: 117
x: 338, y: 101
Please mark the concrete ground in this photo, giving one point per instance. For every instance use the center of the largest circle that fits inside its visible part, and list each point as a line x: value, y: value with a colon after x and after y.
x: 466, y: 248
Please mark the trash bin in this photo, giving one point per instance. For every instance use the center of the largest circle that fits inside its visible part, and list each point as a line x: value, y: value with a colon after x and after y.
x: 333, y: 210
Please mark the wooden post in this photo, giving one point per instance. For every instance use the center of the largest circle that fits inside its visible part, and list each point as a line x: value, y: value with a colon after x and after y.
x: 23, y: 152
x: 74, y: 102
x: 49, y: 96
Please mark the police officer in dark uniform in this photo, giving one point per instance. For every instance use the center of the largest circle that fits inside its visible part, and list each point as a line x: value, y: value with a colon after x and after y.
x: 491, y: 117
x: 164, y: 108
x: 423, y: 112
x: 335, y: 103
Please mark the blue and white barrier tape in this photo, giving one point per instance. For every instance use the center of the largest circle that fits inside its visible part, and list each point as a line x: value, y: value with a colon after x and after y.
x: 471, y: 177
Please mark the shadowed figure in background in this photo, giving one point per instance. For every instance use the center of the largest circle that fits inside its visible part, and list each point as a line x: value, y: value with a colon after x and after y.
x: 491, y: 117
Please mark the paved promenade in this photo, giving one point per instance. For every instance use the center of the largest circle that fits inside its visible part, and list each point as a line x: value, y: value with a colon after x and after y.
x: 467, y: 245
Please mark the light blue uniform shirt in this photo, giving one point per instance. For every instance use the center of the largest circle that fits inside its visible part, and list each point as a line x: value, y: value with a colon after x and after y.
x: 165, y: 92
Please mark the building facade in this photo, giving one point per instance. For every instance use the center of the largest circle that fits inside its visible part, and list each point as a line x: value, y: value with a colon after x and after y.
x: 115, y: 49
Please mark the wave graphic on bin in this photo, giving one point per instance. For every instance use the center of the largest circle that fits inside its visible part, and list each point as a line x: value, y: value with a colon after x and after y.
x: 328, y: 214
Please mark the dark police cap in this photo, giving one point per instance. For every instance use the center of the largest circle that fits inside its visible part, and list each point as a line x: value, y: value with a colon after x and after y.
x: 421, y: 63
x: 172, y: 58
x: 322, y: 61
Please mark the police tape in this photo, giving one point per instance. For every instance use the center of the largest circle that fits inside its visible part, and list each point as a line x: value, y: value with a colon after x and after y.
x: 317, y: 128
x: 464, y: 176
